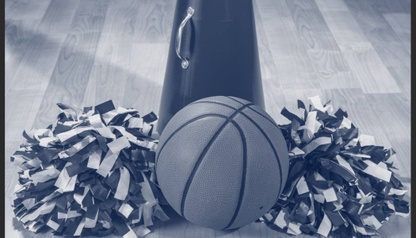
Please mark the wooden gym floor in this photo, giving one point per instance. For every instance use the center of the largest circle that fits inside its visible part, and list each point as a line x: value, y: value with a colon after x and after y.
x: 83, y: 52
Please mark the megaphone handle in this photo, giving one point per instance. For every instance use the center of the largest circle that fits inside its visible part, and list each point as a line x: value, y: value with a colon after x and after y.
x: 185, y: 62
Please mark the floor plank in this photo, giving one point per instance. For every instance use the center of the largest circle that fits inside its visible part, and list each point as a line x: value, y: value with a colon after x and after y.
x: 379, y: 32
x: 367, y: 65
x: 267, y: 65
x: 71, y: 72
x: 155, y: 22
x: 112, y: 65
x: 26, y: 9
x: 289, y: 52
x: 44, y: 47
x: 387, y: 6
x: 144, y: 90
x: 358, y: 49
x: 400, y: 22
x: 372, y: 22
x: 18, y: 35
x: 343, y: 26
x: 332, y: 69
x: 402, y: 76
x: 331, y: 5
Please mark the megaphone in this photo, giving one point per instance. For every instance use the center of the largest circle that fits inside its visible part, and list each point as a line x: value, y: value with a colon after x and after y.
x: 213, y: 51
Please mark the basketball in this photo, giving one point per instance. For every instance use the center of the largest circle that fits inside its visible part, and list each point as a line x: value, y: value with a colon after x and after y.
x: 221, y: 162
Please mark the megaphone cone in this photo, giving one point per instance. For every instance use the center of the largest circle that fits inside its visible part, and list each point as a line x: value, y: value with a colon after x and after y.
x: 213, y: 51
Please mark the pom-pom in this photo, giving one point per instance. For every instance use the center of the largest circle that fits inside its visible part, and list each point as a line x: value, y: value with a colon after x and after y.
x: 340, y: 183
x: 89, y: 174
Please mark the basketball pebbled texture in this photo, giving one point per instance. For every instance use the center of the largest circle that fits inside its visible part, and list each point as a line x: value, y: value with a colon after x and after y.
x: 221, y: 162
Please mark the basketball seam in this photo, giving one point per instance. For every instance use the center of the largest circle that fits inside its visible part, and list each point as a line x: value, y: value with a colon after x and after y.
x: 267, y: 138
x: 218, y: 103
x: 211, y: 102
x: 271, y: 145
x: 234, y: 99
x: 274, y: 123
x: 183, y: 125
x: 244, y: 175
x: 202, y: 155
